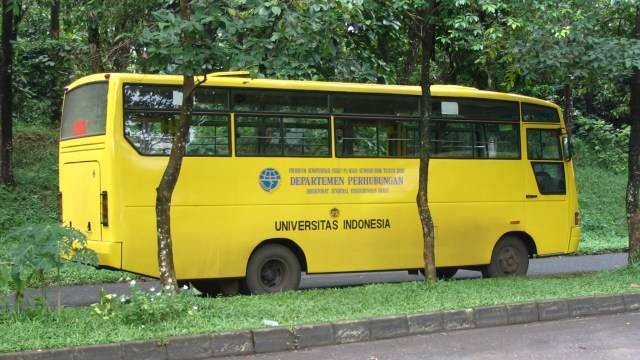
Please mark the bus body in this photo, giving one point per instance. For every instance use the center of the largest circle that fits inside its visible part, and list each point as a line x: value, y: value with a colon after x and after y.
x: 326, y: 170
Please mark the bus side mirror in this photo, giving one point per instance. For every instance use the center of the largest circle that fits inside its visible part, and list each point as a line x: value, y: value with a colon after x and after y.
x: 566, y: 148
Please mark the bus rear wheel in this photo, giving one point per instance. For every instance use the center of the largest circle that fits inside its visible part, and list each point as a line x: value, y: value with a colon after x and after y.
x: 509, y: 258
x: 446, y: 273
x: 272, y: 268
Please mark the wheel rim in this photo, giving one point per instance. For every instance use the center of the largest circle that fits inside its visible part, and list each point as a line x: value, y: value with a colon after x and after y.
x: 273, y: 273
x: 509, y: 260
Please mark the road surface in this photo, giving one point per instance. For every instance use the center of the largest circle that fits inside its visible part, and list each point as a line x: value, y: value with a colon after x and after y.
x: 611, y: 337
x: 87, y: 294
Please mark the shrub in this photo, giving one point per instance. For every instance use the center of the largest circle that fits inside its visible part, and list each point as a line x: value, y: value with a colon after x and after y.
x: 38, y: 250
x: 600, y: 143
x: 146, y: 307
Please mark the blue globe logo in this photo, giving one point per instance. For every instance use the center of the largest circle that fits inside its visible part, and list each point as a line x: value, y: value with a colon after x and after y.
x: 269, y: 179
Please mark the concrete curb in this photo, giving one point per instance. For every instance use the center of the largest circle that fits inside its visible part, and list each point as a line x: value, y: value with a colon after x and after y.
x: 341, y: 332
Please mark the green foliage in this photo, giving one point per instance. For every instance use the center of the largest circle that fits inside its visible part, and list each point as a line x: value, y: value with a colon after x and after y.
x: 105, y: 305
x: 38, y: 250
x: 34, y: 200
x: 143, y: 307
x: 600, y: 163
x: 186, y: 47
x: 599, y: 143
x: 78, y: 326
x: 146, y: 307
x: 601, y: 195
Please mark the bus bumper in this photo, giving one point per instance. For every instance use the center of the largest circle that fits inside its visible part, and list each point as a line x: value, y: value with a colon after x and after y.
x: 109, y: 253
x: 574, y: 240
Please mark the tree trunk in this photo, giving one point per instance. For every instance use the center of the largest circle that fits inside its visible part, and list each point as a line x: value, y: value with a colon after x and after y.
x: 6, y: 94
x: 93, y: 37
x: 54, y: 35
x: 164, y: 192
x: 411, y: 57
x: 568, y: 107
x: 426, y: 42
x: 633, y: 185
x: 54, y: 20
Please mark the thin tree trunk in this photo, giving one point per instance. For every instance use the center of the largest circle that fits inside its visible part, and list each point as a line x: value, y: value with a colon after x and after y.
x: 54, y: 35
x: 164, y: 192
x: 54, y: 20
x: 6, y: 95
x: 568, y: 106
x: 633, y: 185
x: 93, y: 37
x: 411, y: 57
x: 426, y: 41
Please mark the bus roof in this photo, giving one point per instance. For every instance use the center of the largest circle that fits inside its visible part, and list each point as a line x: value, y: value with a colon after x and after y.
x: 239, y: 79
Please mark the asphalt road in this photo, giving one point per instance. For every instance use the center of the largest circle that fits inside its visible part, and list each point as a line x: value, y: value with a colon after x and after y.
x: 609, y: 337
x: 87, y: 294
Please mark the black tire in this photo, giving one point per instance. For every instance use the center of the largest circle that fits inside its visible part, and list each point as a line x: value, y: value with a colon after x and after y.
x: 509, y: 258
x: 446, y: 273
x: 272, y: 268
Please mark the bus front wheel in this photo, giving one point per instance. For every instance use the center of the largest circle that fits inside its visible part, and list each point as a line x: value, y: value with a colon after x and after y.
x: 509, y: 258
x: 272, y: 268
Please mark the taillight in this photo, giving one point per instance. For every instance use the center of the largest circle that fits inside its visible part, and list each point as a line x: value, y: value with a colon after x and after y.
x: 104, y: 208
x: 60, y: 207
x: 577, y: 218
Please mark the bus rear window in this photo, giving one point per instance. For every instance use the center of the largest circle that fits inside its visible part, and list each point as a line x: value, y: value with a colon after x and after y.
x: 84, y: 112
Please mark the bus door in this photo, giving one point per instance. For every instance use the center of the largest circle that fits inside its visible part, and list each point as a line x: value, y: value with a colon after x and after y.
x: 80, y: 188
x: 547, y: 208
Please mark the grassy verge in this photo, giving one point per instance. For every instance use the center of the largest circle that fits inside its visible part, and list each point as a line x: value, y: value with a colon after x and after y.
x: 78, y: 326
x: 601, y: 194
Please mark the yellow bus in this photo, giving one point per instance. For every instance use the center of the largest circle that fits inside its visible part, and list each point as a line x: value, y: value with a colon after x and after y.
x: 283, y: 177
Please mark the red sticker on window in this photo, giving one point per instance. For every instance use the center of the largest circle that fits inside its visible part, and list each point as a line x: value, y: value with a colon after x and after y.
x: 80, y: 127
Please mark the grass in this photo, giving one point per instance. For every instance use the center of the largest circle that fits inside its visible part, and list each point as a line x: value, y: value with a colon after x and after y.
x: 601, y: 196
x: 80, y: 326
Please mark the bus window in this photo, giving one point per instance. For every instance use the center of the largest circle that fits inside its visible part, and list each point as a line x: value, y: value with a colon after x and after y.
x: 543, y: 150
x: 537, y: 113
x: 453, y: 139
x: 377, y: 137
x: 475, y: 109
x: 543, y: 144
x: 282, y: 136
x: 375, y: 104
x: 280, y: 101
x: 152, y: 133
x: 84, y: 112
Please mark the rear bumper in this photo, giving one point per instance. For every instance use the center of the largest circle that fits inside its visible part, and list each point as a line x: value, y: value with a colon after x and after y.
x: 109, y: 253
x: 574, y: 240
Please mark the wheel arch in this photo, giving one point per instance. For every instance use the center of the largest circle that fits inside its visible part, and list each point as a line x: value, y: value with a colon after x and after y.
x: 288, y: 243
x: 528, y: 241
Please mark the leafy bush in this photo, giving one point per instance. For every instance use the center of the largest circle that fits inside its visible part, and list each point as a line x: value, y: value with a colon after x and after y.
x: 146, y: 307
x: 38, y: 250
x: 600, y: 143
